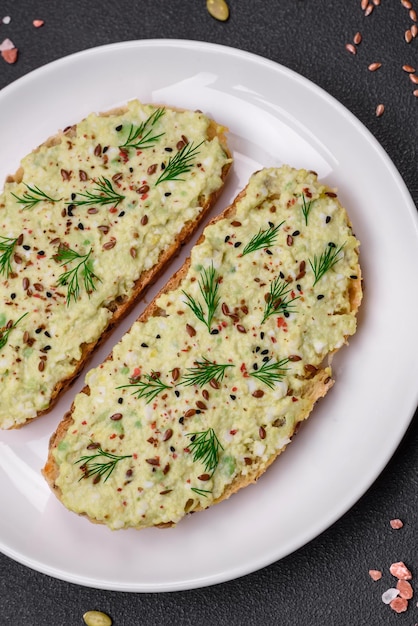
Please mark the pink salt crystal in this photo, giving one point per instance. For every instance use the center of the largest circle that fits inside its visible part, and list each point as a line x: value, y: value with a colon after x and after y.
x: 405, y: 589
x: 399, y: 570
x: 399, y: 605
x: 10, y: 56
x: 375, y: 574
x: 396, y: 523
x: 389, y: 595
x: 38, y: 23
x: 6, y: 44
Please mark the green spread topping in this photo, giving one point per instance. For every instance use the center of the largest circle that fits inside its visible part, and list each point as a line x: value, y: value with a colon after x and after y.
x: 202, y: 396
x: 91, y: 211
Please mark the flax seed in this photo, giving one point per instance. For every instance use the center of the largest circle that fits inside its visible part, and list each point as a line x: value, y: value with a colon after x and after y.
x: 364, y: 4
x: 204, y: 477
x: 262, y: 432
x: 369, y: 9
x: 258, y: 393
x: 415, y: 93
x: 408, y: 36
x: 380, y: 109
x: 409, y: 69
x: 109, y: 244
x: 414, y: 30
x: 358, y: 38
x: 167, y: 435
x: 374, y: 66
x: 407, y: 4
x: 144, y: 220
x: 190, y: 330
x: 413, y: 78
x: 413, y: 15
x: 350, y: 48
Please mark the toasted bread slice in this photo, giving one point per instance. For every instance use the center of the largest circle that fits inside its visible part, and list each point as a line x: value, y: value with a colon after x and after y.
x: 214, y: 378
x: 88, y: 222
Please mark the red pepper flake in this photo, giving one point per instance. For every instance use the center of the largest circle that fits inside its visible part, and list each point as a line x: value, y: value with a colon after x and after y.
x: 233, y: 432
x: 124, y: 155
x: 294, y: 399
x: 84, y: 422
x: 136, y: 372
x: 113, y: 436
x: 243, y: 369
x: 113, y: 209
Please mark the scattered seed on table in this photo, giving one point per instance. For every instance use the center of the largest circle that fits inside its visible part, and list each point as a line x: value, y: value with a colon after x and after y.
x: 374, y: 66
x: 407, y: 4
x: 380, y: 109
x: 364, y: 4
x: 415, y: 93
x: 218, y: 9
x: 414, y: 30
x: 409, y: 69
x: 414, y: 78
x: 97, y: 618
x: 357, y: 38
x: 350, y: 48
x: 369, y: 9
x: 38, y: 23
x: 413, y: 15
x: 408, y: 36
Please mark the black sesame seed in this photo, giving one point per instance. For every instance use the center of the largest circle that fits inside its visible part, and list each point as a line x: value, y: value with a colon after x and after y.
x: 281, y: 275
x: 268, y: 251
x: 354, y: 276
x: 262, y: 334
x: 26, y: 247
x: 120, y: 400
x: 296, y: 233
x: 121, y: 214
x: 172, y: 449
x: 286, y: 313
x: 48, y: 294
x: 193, y: 437
x: 214, y: 331
x: 320, y: 296
x: 233, y: 397
x: 38, y: 330
x: 158, y: 336
x: 181, y: 420
x: 167, y: 194
x: 255, y: 366
x: 237, y: 244
x: 265, y: 352
x: 162, y: 166
x: 80, y: 226
x: 13, y: 296
x: 168, y: 149
x: 227, y: 238
x: 328, y: 219
x: 331, y: 244
x: 46, y: 348
x: 266, y: 359
x: 271, y: 224
x: 70, y: 212
x: 118, y: 128
x: 258, y: 349
x: 131, y: 169
x: 41, y: 253
x: 105, y: 149
x: 177, y: 392
x: 198, y: 411
x: 73, y: 195
x: 144, y: 345
x: 46, y: 333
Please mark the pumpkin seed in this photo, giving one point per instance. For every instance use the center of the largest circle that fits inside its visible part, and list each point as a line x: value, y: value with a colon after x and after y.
x: 96, y: 618
x: 218, y: 9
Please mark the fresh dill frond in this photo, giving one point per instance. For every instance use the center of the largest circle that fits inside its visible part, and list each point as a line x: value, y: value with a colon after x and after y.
x: 92, y: 467
x: 148, y: 388
x: 205, y: 447
x: 271, y: 372
x: 71, y: 278
x: 141, y: 136
x: 6, y: 330
x: 180, y: 163
x: 306, y: 208
x: 204, y: 372
x: 103, y: 193
x: 32, y: 196
x: 263, y: 239
x: 329, y: 257
x: 7, y: 246
x: 278, y: 301
x: 201, y: 492
x: 209, y: 285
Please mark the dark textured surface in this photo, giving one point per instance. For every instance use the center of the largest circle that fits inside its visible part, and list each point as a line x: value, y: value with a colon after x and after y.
x: 325, y: 582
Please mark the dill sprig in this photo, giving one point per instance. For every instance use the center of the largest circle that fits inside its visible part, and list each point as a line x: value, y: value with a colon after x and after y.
x: 180, y: 163
x: 91, y: 467
x: 205, y: 447
x: 209, y: 285
x: 278, y: 300
x: 141, y: 136
x: 201, y: 492
x: 32, y: 196
x: 306, y: 207
x: 263, y: 239
x: 204, y: 372
x: 7, y: 246
x: 148, y: 388
x: 6, y: 330
x: 103, y: 193
x: 271, y: 372
x: 329, y: 257
x: 71, y: 278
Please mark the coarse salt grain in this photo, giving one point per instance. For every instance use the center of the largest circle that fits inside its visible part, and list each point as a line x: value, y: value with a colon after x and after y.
x: 405, y: 589
x: 396, y: 523
x: 7, y: 19
x: 399, y: 570
x: 375, y: 574
x: 10, y: 56
x: 6, y: 44
x: 389, y: 595
x: 399, y: 605
x: 38, y: 23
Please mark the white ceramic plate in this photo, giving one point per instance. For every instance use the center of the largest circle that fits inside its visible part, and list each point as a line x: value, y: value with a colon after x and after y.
x: 274, y: 116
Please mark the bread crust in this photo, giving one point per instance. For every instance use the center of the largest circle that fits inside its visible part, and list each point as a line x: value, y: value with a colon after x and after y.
x: 121, y: 307
x: 318, y: 384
